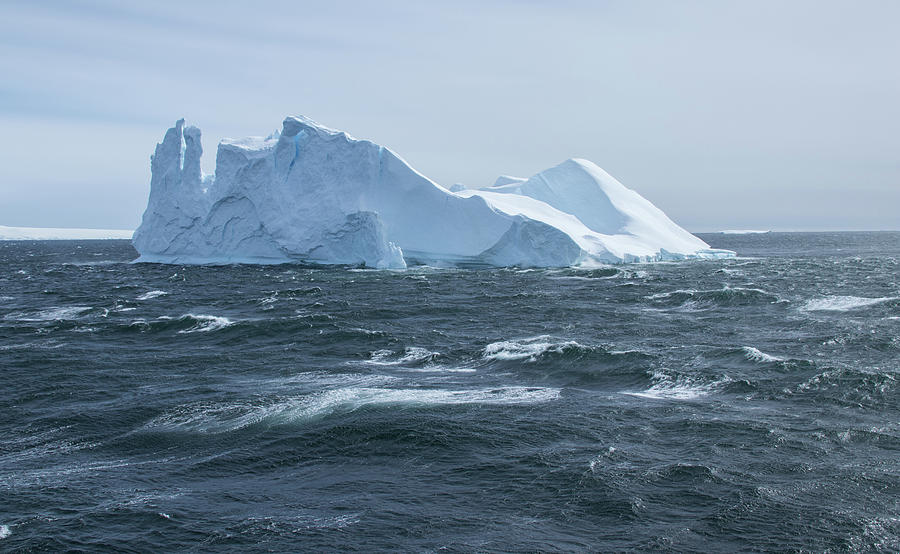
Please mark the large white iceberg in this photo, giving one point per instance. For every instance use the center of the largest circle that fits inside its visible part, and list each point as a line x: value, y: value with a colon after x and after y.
x: 312, y: 194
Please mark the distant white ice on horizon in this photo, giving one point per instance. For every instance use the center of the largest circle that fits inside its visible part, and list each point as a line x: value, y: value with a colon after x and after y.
x: 48, y: 233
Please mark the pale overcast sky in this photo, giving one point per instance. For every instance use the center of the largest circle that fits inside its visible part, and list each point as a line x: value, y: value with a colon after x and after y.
x: 738, y: 114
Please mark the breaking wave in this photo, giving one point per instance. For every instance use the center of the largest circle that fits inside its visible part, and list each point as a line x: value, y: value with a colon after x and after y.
x: 670, y: 386
x: 724, y: 297
x: 185, y: 324
x: 205, y: 323
x: 412, y: 355
x: 531, y: 349
x: 64, y: 313
x: 224, y: 417
x: 855, y: 387
x: 755, y: 355
x: 844, y: 303
x: 152, y: 294
x: 568, y: 363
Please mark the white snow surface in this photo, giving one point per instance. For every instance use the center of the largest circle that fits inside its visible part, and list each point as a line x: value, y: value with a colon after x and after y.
x: 45, y: 233
x: 313, y: 194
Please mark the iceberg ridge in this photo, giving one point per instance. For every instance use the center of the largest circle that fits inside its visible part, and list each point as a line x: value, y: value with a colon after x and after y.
x: 312, y: 194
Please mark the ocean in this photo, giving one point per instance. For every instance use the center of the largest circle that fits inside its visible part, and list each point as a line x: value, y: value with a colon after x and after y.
x: 749, y: 404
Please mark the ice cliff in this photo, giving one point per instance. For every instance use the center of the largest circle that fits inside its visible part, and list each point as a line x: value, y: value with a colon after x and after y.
x: 309, y: 193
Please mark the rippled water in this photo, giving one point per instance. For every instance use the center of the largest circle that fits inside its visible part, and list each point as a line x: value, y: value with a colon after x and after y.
x: 745, y: 404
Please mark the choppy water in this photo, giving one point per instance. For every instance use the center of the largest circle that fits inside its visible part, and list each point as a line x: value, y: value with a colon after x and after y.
x: 747, y: 404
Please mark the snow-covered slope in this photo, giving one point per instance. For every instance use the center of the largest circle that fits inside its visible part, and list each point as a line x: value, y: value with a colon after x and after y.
x: 47, y: 233
x: 597, y: 211
x: 310, y: 193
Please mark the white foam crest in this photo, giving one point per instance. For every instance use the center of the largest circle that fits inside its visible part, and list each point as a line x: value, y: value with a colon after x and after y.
x: 300, y: 523
x: 35, y: 345
x: 843, y: 303
x: 411, y: 355
x: 692, y: 292
x: 267, y: 302
x: 756, y: 355
x: 661, y: 295
x: 58, y: 474
x: 224, y: 417
x: 206, y: 323
x: 628, y: 274
x: 441, y: 369
x: 37, y: 451
x: 381, y: 357
x: 211, y: 417
x: 56, y: 313
x: 351, y: 399
x: 415, y: 354
x: 325, y: 378
x: 4, y: 531
x: 526, y: 349
x: 572, y: 278
x: 667, y: 387
x: 152, y: 294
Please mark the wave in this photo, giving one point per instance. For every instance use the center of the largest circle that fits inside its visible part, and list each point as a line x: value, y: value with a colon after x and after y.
x: 205, y: 323
x: 588, y: 273
x: 755, y: 355
x: 672, y: 392
x: 39, y: 447
x: 442, y: 369
x: 49, y: 345
x: 56, y: 313
x: 226, y: 417
x: 187, y: 323
x: 330, y: 332
x: 680, y: 387
x: 292, y: 525
x: 852, y: 386
x: 844, y: 303
x: 322, y: 379
x: 56, y: 475
x: 412, y: 355
x: 726, y: 296
x: 152, y: 294
x: 4, y: 531
x: 568, y: 363
x: 531, y: 349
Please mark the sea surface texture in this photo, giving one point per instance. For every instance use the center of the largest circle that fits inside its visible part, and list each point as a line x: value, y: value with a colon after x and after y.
x: 750, y: 404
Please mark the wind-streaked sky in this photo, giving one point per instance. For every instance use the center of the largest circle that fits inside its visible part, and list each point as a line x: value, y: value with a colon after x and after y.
x: 741, y: 114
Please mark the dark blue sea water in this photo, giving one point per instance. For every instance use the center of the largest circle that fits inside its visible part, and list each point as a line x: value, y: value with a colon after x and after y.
x: 740, y: 405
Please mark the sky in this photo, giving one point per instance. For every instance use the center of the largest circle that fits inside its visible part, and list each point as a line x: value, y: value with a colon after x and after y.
x: 727, y: 115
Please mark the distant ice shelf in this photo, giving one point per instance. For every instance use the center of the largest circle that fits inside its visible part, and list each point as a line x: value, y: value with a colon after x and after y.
x: 48, y: 233
x: 308, y: 193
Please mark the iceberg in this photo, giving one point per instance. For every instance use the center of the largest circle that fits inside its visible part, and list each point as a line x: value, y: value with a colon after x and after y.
x: 312, y: 194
